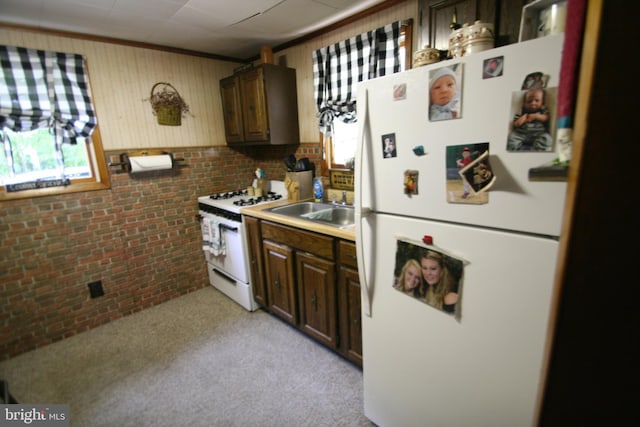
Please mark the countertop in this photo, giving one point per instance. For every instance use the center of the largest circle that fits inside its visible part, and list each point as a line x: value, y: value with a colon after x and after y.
x: 259, y: 211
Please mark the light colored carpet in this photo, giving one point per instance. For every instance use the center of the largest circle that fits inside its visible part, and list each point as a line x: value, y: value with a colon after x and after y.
x: 197, y: 360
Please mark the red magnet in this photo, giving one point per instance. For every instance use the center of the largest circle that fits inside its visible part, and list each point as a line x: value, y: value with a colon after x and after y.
x: 427, y: 240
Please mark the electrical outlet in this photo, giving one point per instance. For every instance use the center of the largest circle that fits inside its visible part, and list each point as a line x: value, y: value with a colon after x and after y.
x: 95, y: 289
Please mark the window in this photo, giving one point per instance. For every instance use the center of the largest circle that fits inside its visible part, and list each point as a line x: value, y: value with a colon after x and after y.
x: 338, y: 68
x: 342, y: 145
x: 49, y: 141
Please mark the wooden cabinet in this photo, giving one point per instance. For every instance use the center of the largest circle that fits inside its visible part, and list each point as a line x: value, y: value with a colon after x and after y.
x: 256, y: 266
x: 254, y: 105
x: 309, y: 258
x: 317, y: 298
x: 232, y: 109
x: 349, y: 298
x: 260, y: 106
x: 310, y: 280
x: 280, y: 281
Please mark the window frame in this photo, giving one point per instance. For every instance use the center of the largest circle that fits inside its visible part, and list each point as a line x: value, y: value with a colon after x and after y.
x: 99, y: 181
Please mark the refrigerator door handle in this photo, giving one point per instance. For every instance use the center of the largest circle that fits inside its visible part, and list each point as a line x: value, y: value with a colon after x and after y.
x: 367, y: 289
x: 362, y: 212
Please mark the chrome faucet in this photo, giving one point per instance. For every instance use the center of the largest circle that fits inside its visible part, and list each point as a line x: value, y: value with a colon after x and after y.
x: 344, y: 199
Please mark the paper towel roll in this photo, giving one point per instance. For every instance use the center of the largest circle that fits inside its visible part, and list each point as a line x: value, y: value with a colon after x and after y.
x: 150, y: 163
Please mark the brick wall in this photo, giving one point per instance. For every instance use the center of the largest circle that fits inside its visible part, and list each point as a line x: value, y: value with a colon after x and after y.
x: 141, y: 238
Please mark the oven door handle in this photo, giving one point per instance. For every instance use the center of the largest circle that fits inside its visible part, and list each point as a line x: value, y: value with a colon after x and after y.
x: 228, y: 227
x: 221, y: 226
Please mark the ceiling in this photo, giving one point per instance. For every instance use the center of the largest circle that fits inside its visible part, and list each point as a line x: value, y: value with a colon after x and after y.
x: 228, y: 28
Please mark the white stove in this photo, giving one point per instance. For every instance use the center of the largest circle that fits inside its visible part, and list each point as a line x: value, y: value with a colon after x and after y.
x: 224, y: 241
x: 233, y: 201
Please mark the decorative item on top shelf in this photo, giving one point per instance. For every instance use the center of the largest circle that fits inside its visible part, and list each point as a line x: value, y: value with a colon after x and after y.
x: 471, y: 38
x: 477, y: 37
x: 454, y: 20
x: 146, y: 161
x: 455, y: 43
x: 542, y: 18
x: 167, y: 104
x: 425, y: 56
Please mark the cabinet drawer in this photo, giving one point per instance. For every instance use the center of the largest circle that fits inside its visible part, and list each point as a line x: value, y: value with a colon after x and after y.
x: 304, y: 240
x: 347, y: 253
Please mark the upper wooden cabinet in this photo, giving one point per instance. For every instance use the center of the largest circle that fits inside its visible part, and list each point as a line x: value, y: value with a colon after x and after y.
x: 260, y: 106
x: 437, y: 15
x: 232, y: 109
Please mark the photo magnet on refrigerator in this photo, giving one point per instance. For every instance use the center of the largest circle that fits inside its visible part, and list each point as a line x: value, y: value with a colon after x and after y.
x: 445, y: 93
x: 389, y: 146
x: 411, y: 182
x: 492, y: 67
x: 400, y: 92
x: 429, y: 275
x: 478, y: 174
x: 469, y: 174
x: 532, y: 115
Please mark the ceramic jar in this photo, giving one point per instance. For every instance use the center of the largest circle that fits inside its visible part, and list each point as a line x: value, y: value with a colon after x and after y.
x: 425, y: 56
x: 455, y: 43
x: 477, y: 37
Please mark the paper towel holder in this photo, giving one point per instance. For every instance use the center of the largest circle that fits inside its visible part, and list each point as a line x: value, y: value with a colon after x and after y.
x: 125, y: 163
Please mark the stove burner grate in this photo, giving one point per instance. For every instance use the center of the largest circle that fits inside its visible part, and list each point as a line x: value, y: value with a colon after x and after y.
x: 228, y: 195
x: 271, y: 196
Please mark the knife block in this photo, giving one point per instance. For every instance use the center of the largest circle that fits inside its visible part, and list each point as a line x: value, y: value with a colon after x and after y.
x: 299, y: 185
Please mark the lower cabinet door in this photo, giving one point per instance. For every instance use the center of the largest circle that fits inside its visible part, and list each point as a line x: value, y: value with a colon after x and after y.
x: 256, y: 267
x: 278, y: 261
x: 350, y: 314
x: 317, y: 296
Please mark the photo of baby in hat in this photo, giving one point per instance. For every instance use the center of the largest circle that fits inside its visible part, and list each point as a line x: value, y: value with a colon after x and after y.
x: 445, y: 93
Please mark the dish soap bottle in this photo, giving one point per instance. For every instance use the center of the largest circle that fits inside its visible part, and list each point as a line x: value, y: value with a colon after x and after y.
x: 317, y: 189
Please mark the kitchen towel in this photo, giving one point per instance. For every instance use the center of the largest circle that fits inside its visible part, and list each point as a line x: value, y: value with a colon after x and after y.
x: 206, y: 234
x: 216, y: 241
x: 150, y: 163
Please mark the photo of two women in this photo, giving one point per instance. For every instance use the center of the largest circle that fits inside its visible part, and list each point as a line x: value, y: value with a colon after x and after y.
x: 430, y: 276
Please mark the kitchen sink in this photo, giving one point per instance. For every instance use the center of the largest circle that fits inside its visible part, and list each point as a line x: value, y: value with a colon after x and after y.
x: 341, y: 216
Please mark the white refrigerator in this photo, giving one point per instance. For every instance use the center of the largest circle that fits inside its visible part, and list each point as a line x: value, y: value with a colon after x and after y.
x: 478, y: 359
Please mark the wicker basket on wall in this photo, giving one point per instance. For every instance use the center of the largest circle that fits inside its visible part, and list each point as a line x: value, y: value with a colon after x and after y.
x: 168, y: 106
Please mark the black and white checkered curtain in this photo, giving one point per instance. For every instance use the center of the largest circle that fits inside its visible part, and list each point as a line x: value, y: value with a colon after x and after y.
x: 40, y: 89
x: 339, y: 67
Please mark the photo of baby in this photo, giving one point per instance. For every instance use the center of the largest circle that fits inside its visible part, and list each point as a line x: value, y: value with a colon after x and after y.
x: 445, y: 93
x: 492, y: 67
x: 533, y: 119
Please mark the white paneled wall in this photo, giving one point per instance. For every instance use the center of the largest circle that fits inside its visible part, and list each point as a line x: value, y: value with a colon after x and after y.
x: 122, y: 78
